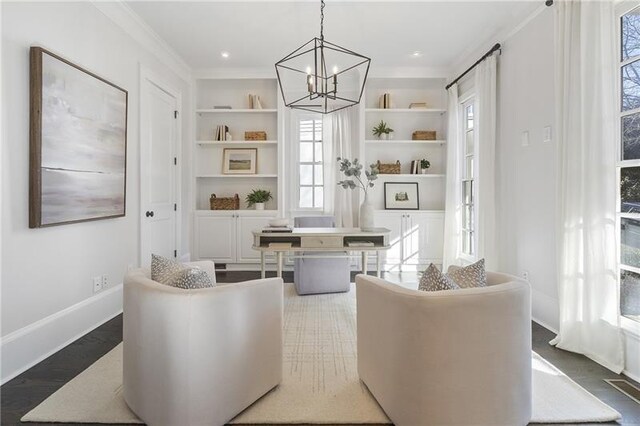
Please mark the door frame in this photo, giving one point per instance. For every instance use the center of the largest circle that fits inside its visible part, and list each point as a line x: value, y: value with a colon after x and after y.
x: 148, y: 75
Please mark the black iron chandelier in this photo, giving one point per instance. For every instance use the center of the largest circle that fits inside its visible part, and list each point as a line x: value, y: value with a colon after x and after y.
x: 322, y: 77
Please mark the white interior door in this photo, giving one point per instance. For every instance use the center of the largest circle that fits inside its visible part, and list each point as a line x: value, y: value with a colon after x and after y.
x: 158, y: 172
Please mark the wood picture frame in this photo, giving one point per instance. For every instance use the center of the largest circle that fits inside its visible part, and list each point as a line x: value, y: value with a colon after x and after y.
x: 240, y: 161
x: 77, y: 143
x: 401, y: 196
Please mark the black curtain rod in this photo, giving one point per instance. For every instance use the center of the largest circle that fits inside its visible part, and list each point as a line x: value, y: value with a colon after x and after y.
x: 485, y: 56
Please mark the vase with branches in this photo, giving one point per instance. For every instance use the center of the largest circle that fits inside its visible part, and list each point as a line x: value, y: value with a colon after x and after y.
x: 356, y: 179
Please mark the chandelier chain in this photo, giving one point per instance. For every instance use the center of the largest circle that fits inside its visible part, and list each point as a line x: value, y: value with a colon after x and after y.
x: 321, y: 19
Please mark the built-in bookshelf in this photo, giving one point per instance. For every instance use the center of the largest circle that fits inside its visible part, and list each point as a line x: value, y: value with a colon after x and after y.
x: 404, y: 121
x: 227, y: 102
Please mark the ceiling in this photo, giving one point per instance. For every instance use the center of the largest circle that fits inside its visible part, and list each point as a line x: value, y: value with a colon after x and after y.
x: 257, y: 34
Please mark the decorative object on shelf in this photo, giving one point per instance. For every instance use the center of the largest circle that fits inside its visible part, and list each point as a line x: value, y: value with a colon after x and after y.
x: 257, y: 135
x: 384, y: 102
x: 224, y: 203
x: 401, y: 196
x: 382, y: 131
x: 240, y: 161
x: 279, y: 222
x: 424, y: 135
x: 308, y: 76
x: 254, y: 102
x: 258, y: 197
x: 78, y: 143
x: 424, y: 166
x: 221, y: 133
x: 388, y: 168
x: 354, y: 170
x: 418, y: 105
x: 222, y: 107
x: 414, y: 167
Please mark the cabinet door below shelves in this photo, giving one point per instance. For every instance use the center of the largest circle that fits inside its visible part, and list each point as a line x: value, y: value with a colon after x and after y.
x: 247, y: 224
x: 423, y: 239
x: 216, y: 239
x: 392, y: 258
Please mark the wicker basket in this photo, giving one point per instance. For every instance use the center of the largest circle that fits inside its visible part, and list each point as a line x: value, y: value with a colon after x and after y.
x: 225, y: 203
x: 255, y: 136
x: 424, y: 135
x: 389, y: 169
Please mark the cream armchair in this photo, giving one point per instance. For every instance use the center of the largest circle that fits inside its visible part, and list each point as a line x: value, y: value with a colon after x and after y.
x: 199, y: 357
x: 457, y: 357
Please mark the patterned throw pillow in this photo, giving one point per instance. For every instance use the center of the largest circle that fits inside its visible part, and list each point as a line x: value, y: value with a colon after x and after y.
x: 470, y: 276
x: 174, y: 274
x: 434, y: 280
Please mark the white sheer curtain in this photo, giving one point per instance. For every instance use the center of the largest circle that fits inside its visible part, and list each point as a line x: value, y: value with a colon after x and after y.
x: 485, y: 182
x: 453, y: 184
x: 586, y: 234
x: 338, y: 201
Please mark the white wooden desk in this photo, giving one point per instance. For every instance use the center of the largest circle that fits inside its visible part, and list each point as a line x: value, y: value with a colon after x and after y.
x: 321, y: 240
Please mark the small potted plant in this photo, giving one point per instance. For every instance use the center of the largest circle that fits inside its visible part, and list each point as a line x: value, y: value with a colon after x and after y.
x: 382, y: 131
x: 424, y: 165
x: 258, y: 197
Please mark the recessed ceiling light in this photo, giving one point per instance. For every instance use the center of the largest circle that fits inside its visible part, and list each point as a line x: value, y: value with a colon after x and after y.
x: 224, y: 54
x: 416, y: 54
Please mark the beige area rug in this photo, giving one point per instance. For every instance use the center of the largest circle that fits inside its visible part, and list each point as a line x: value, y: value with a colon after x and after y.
x: 320, y: 382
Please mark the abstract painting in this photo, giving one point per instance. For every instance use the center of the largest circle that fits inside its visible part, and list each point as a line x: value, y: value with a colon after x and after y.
x: 78, y: 144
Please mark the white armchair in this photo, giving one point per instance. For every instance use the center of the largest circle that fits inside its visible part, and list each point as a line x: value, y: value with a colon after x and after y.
x: 196, y: 357
x: 455, y: 357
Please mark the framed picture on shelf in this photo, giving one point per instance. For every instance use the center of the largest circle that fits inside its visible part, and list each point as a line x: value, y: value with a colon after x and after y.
x: 78, y: 143
x: 240, y: 161
x: 401, y: 196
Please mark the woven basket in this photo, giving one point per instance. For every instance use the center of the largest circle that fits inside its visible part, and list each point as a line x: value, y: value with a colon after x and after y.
x: 225, y: 203
x: 389, y: 169
x: 424, y: 135
x: 255, y: 136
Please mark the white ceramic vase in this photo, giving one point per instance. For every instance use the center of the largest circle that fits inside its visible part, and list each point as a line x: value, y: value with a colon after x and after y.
x: 259, y: 206
x: 390, y: 135
x: 383, y: 136
x: 366, y: 214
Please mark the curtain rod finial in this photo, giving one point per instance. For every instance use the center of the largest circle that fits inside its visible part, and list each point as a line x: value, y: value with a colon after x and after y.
x: 548, y: 3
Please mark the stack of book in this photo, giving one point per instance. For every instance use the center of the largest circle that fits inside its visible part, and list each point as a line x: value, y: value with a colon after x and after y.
x: 416, y: 168
x: 254, y: 102
x: 385, y: 101
x: 360, y: 244
x: 222, y: 133
x: 277, y: 229
x: 418, y: 105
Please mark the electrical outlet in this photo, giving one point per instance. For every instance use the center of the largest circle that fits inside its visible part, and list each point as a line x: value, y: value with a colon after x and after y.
x: 97, y: 284
x: 525, y: 275
x: 546, y: 134
x: 524, y: 138
x: 105, y: 282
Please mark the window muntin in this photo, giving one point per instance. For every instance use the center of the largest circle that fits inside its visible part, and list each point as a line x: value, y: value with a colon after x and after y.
x: 310, y: 167
x: 468, y: 201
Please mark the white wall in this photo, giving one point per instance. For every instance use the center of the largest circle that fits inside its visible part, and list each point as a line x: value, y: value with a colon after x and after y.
x: 526, y: 174
x: 47, y: 296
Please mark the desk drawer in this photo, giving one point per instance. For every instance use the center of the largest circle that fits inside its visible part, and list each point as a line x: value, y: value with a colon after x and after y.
x: 321, y: 242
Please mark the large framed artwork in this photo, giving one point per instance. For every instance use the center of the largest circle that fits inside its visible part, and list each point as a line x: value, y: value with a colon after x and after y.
x: 78, y: 143
x: 401, y: 196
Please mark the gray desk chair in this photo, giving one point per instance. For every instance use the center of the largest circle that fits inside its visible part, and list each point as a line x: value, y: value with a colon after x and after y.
x: 323, y: 275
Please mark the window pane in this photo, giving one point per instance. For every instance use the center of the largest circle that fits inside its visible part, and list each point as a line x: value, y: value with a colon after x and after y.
x: 318, y: 148
x: 469, y: 117
x: 318, y: 175
x: 306, y: 175
x: 318, y: 127
x: 319, y: 191
x: 631, y: 86
x: 630, y: 24
x: 630, y: 190
x: 306, y: 130
x: 469, y: 142
x: 630, y: 293
x: 631, y: 137
x: 306, y: 152
x: 630, y: 242
x: 306, y: 197
x: 467, y: 217
x: 467, y: 192
x: 469, y: 167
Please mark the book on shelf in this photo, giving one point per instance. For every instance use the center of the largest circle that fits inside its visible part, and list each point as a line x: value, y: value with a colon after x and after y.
x: 222, y: 133
x: 418, y: 105
x: 254, y: 102
x: 280, y: 245
x: 276, y: 229
x: 360, y: 244
x: 222, y: 107
x: 384, y: 102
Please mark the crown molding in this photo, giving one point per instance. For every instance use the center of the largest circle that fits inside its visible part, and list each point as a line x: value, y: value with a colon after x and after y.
x: 129, y: 21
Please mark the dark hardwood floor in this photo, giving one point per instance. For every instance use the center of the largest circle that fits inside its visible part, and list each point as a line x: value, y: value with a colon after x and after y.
x: 29, y: 389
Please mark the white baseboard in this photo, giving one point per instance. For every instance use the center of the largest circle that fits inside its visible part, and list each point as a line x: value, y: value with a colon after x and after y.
x: 29, y: 345
x: 632, y: 355
x: 544, y: 324
x: 544, y: 310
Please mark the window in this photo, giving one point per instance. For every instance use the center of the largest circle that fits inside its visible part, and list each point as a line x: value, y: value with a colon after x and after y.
x: 628, y: 166
x: 468, y: 173
x: 310, y: 169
